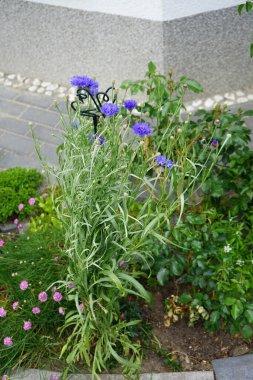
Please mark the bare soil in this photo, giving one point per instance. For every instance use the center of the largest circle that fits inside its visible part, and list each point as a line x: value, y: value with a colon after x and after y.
x: 193, y: 347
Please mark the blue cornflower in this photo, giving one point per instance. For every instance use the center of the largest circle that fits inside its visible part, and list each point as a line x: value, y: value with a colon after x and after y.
x: 214, y: 143
x: 130, y: 104
x: 170, y: 164
x: 76, y: 123
x: 109, y: 109
x: 92, y: 136
x: 161, y: 160
x: 142, y: 129
x: 86, y: 82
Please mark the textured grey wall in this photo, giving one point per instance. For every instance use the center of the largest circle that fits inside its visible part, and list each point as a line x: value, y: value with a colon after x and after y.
x: 54, y: 43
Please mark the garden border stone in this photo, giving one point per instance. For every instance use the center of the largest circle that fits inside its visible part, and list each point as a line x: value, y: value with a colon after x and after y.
x: 34, y: 374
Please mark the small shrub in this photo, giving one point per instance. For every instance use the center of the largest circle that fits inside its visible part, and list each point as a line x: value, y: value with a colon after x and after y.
x: 17, y: 186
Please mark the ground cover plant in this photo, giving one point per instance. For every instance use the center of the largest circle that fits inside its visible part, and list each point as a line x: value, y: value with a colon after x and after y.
x: 17, y: 187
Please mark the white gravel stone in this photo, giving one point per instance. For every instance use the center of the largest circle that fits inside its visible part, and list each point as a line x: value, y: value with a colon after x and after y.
x: 20, y: 78
x: 218, y: 98
x: 72, y: 97
x: 1, y: 80
x: 17, y: 85
x: 36, y: 82
x: 250, y: 96
x: 45, y: 84
x: 27, y: 81
x: 33, y: 88
x: 72, y: 90
x: 62, y: 89
x: 196, y: 103
x: 239, y: 93
x: 1, y: 74
x: 7, y: 82
x: 229, y: 102
x: 61, y: 95
x: 209, y: 102
x: 41, y: 90
x: 242, y: 100
x: 229, y: 95
x: 48, y: 93
x: 11, y: 76
x: 189, y: 108
x: 52, y: 87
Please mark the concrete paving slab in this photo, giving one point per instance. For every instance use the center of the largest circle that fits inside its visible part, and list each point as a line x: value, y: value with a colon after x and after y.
x: 33, y: 374
x: 236, y: 368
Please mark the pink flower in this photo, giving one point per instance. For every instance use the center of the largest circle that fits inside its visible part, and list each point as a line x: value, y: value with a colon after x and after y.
x: 27, y: 325
x: 70, y: 285
x: 42, y: 297
x: 23, y: 285
x: 3, y: 312
x: 122, y: 316
x: 45, y: 195
x: 54, y: 377
x: 20, y: 207
x: 8, y: 341
x: 4, y: 377
x: 20, y: 226
x: 1, y: 243
x: 61, y: 310
x: 31, y: 201
x: 36, y: 310
x: 57, y: 296
x: 54, y: 289
x: 56, y: 258
x: 15, y: 221
x: 15, y: 305
x: 81, y: 307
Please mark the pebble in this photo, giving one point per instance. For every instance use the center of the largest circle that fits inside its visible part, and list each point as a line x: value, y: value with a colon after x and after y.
x: 11, y: 76
x: 196, y: 103
x: 61, y: 95
x: 250, y: 96
x: 72, y: 90
x: 32, y: 88
x: 72, y: 97
x: 1, y: 80
x: 62, y: 89
x: 45, y: 84
x: 218, y: 98
x: 27, y: 81
x: 20, y: 78
x: 229, y: 102
x: 52, y: 87
x: 7, y: 83
x: 17, y: 85
x: 36, y: 82
x: 189, y: 108
x: 239, y: 93
x: 242, y: 100
x: 209, y: 103
x: 1, y: 74
x: 41, y: 90
x: 229, y: 96
x: 48, y: 93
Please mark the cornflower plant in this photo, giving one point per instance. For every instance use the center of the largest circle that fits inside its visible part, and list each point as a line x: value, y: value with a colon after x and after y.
x: 101, y: 177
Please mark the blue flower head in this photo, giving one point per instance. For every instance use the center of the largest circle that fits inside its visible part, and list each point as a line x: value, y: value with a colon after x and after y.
x: 85, y: 82
x: 92, y: 136
x: 75, y: 123
x: 170, y: 164
x: 130, y: 104
x: 161, y: 160
x: 142, y: 129
x: 109, y: 109
x: 214, y: 143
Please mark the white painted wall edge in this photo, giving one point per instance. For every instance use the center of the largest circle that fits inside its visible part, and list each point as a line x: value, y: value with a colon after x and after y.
x: 156, y: 10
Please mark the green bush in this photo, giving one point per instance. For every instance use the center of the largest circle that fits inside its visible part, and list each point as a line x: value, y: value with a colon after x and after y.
x: 17, y: 185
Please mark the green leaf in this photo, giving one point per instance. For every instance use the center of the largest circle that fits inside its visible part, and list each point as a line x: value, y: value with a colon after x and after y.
x: 192, y: 84
x: 251, y: 50
x: 214, y: 317
x: 237, y: 309
x: 185, y: 298
x: 249, y: 315
x: 229, y: 301
x: 248, y: 6
x: 240, y: 8
x: 125, y: 84
x: 196, y: 219
x: 248, y: 113
x: 163, y: 276
x: 151, y: 67
x: 247, y: 332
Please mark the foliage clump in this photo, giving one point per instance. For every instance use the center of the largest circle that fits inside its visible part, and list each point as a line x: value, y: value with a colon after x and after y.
x: 17, y: 185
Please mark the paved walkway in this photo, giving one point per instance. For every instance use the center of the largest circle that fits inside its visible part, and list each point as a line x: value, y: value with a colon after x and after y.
x: 17, y: 109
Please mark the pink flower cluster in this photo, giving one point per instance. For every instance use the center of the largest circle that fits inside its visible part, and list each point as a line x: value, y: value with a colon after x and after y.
x: 1, y: 243
x: 42, y: 297
x: 24, y: 285
x: 8, y: 341
x: 3, y: 312
x: 27, y: 325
